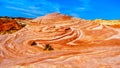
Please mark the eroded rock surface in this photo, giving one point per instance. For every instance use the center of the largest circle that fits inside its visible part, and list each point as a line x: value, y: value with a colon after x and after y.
x: 60, y: 41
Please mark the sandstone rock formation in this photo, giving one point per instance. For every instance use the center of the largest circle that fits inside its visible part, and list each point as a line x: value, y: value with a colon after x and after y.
x: 60, y: 41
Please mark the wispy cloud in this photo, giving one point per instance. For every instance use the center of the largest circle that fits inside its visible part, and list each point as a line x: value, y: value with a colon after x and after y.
x: 42, y: 7
x: 17, y: 8
x: 76, y: 8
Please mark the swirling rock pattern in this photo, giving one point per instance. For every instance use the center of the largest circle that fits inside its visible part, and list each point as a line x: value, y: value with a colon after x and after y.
x: 75, y: 43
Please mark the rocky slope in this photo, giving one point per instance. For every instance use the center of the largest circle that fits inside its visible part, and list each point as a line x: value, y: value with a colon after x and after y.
x: 12, y: 24
x: 60, y: 41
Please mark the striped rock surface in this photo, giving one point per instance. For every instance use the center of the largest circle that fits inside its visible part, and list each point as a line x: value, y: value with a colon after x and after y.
x: 75, y: 43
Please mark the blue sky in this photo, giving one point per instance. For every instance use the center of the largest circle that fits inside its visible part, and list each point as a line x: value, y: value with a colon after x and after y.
x: 87, y: 9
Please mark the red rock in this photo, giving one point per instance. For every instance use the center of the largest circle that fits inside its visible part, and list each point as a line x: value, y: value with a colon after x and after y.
x: 76, y: 43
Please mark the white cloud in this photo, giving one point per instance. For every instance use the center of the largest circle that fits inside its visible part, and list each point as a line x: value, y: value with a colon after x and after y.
x: 22, y: 10
x: 28, y: 7
x: 33, y: 7
x: 79, y: 9
x: 17, y: 8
